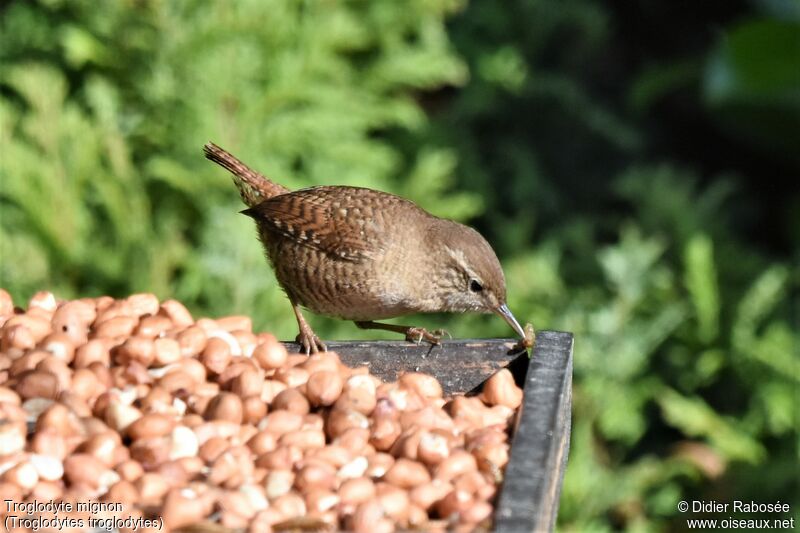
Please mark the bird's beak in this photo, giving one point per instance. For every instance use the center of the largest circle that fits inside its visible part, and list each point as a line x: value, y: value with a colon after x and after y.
x: 505, y: 312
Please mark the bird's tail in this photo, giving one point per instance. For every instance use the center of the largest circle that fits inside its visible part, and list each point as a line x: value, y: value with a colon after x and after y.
x: 253, y: 187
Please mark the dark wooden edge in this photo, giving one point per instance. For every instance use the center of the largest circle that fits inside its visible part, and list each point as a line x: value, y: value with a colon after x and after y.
x: 532, y: 486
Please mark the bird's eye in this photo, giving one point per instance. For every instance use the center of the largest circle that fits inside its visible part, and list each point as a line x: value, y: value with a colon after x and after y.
x: 475, y: 286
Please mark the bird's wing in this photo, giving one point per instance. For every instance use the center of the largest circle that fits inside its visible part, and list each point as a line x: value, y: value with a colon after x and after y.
x: 346, y: 222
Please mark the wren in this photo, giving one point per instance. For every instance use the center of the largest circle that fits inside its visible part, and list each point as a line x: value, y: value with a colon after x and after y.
x: 362, y: 255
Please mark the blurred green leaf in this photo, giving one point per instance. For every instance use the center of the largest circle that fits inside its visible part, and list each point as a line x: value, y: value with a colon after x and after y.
x: 661, y: 81
x: 753, y: 82
x: 762, y: 296
x: 81, y: 47
x: 700, y: 280
x: 504, y: 67
x: 695, y: 418
x: 626, y: 264
x: 758, y: 62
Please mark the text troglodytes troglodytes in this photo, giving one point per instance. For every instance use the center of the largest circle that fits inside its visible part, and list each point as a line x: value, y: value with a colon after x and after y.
x: 362, y: 255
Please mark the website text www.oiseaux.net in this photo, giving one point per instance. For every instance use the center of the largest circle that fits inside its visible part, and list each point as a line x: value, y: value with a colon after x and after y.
x: 729, y: 520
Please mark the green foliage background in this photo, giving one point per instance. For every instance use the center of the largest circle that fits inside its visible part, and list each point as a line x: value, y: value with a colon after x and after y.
x: 635, y: 167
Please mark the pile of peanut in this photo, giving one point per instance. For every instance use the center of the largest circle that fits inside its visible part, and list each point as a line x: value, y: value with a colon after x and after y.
x: 190, y: 421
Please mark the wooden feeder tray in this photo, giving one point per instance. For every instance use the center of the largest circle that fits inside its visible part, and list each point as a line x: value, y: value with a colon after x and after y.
x: 528, y: 499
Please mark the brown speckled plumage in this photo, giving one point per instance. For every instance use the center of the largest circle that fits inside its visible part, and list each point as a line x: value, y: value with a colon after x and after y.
x: 360, y: 254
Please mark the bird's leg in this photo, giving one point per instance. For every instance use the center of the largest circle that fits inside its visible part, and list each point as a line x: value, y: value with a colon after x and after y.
x: 306, y: 338
x: 413, y: 334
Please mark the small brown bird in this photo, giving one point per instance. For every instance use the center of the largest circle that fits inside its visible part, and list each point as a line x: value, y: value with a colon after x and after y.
x: 359, y: 254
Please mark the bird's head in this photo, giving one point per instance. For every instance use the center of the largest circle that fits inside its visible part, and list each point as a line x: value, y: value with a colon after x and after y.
x: 470, y: 277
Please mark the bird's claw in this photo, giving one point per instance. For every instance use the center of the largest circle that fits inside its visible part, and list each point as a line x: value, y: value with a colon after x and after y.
x: 310, y: 343
x: 441, y: 333
x: 417, y: 335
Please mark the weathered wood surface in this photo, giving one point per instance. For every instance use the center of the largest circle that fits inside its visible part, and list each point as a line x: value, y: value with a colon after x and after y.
x: 528, y: 500
x: 460, y: 365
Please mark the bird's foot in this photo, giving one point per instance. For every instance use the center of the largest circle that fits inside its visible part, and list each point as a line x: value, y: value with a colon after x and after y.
x: 417, y: 335
x: 309, y: 342
x: 413, y: 334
